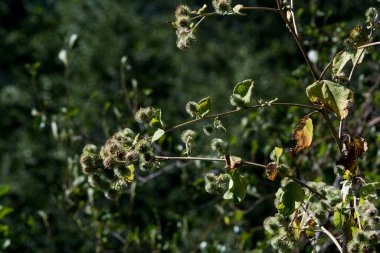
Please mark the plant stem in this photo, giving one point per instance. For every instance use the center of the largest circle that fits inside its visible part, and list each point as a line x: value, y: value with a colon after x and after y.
x: 257, y: 165
x: 324, y: 70
x: 332, y: 238
x: 370, y: 45
x: 306, y: 186
x: 256, y: 8
x: 299, y: 43
x: 210, y: 159
x: 223, y: 114
x: 332, y: 129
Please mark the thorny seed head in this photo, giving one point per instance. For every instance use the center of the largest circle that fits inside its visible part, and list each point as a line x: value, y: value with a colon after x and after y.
x: 182, y: 10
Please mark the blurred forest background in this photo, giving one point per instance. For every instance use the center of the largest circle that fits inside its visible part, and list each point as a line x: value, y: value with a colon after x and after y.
x: 125, y: 57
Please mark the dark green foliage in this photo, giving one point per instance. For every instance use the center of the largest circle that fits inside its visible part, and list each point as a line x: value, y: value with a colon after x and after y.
x: 52, y: 106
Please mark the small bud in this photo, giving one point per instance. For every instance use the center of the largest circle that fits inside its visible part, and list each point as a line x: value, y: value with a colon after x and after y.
x: 191, y: 108
x: 145, y: 115
x: 182, y: 10
x: 219, y: 145
x: 216, y: 184
x: 88, y: 162
x: 90, y: 149
x: 131, y: 157
x: 222, y: 6
x: 143, y: 146
x: 188, y: 136
x: 182, y: 21
x: 96, y: 181
x: 111, y: 194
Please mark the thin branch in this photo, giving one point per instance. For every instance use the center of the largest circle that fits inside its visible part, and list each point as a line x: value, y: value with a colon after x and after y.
x: 370, y: 45
x: 332, y: 238
x: 204, y: 15
x: 210, y: 159
x: 220, y: 115
x: 357, y: 212
x: 293, y: 18
x: 257, y: 165
x: 332, y: 129
x: 324, y: 70
x: 256, y: 8
x: 300, y: 46
x: 306, y: 186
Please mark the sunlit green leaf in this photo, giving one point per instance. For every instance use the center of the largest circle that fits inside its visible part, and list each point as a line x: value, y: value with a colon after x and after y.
x: 158, y: 134
x: 204, y: 106
x: 242, y: 93
x: 331, y: 96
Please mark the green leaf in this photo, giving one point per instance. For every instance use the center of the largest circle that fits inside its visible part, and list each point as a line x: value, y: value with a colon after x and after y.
x: 158, y: 134
x: 239, y: 187
x: 290, y: 197
x: 4, y: 211
x: 4, y: 189
x: 332, y: 96
x: 243, y: 90
x: 276, y: 154
x: 340, y: 60
x: 157, y: 121
x: 338, y: 219
x: 204, y: 106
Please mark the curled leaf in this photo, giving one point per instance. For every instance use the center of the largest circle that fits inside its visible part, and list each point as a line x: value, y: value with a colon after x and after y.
x: 232, y: 162
x: 242, y: 94
x: 332, y: 96
x: 303, y: 134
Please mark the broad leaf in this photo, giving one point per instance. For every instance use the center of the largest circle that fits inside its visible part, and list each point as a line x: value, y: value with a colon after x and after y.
x: 290, y: 196
x: 303, y: 134
x: 338, y: 219
x: 158, y: 134
x: 238, y: 188
x: 332, y: 96
x: 204, y: 106
x: 340, y: 60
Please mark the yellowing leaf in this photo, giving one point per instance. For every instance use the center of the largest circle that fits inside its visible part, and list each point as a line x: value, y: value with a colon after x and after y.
x: 303, y: 134
x: 331, y: 96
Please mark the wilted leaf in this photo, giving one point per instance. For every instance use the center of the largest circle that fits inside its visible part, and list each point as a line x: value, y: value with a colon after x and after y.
x: 158, y: 134
x: 232, y: 162
x: 271, y: 171
x: 332, y: 96
x: 303, y: 134
x: 353, y: 148
x: 204, y: 106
